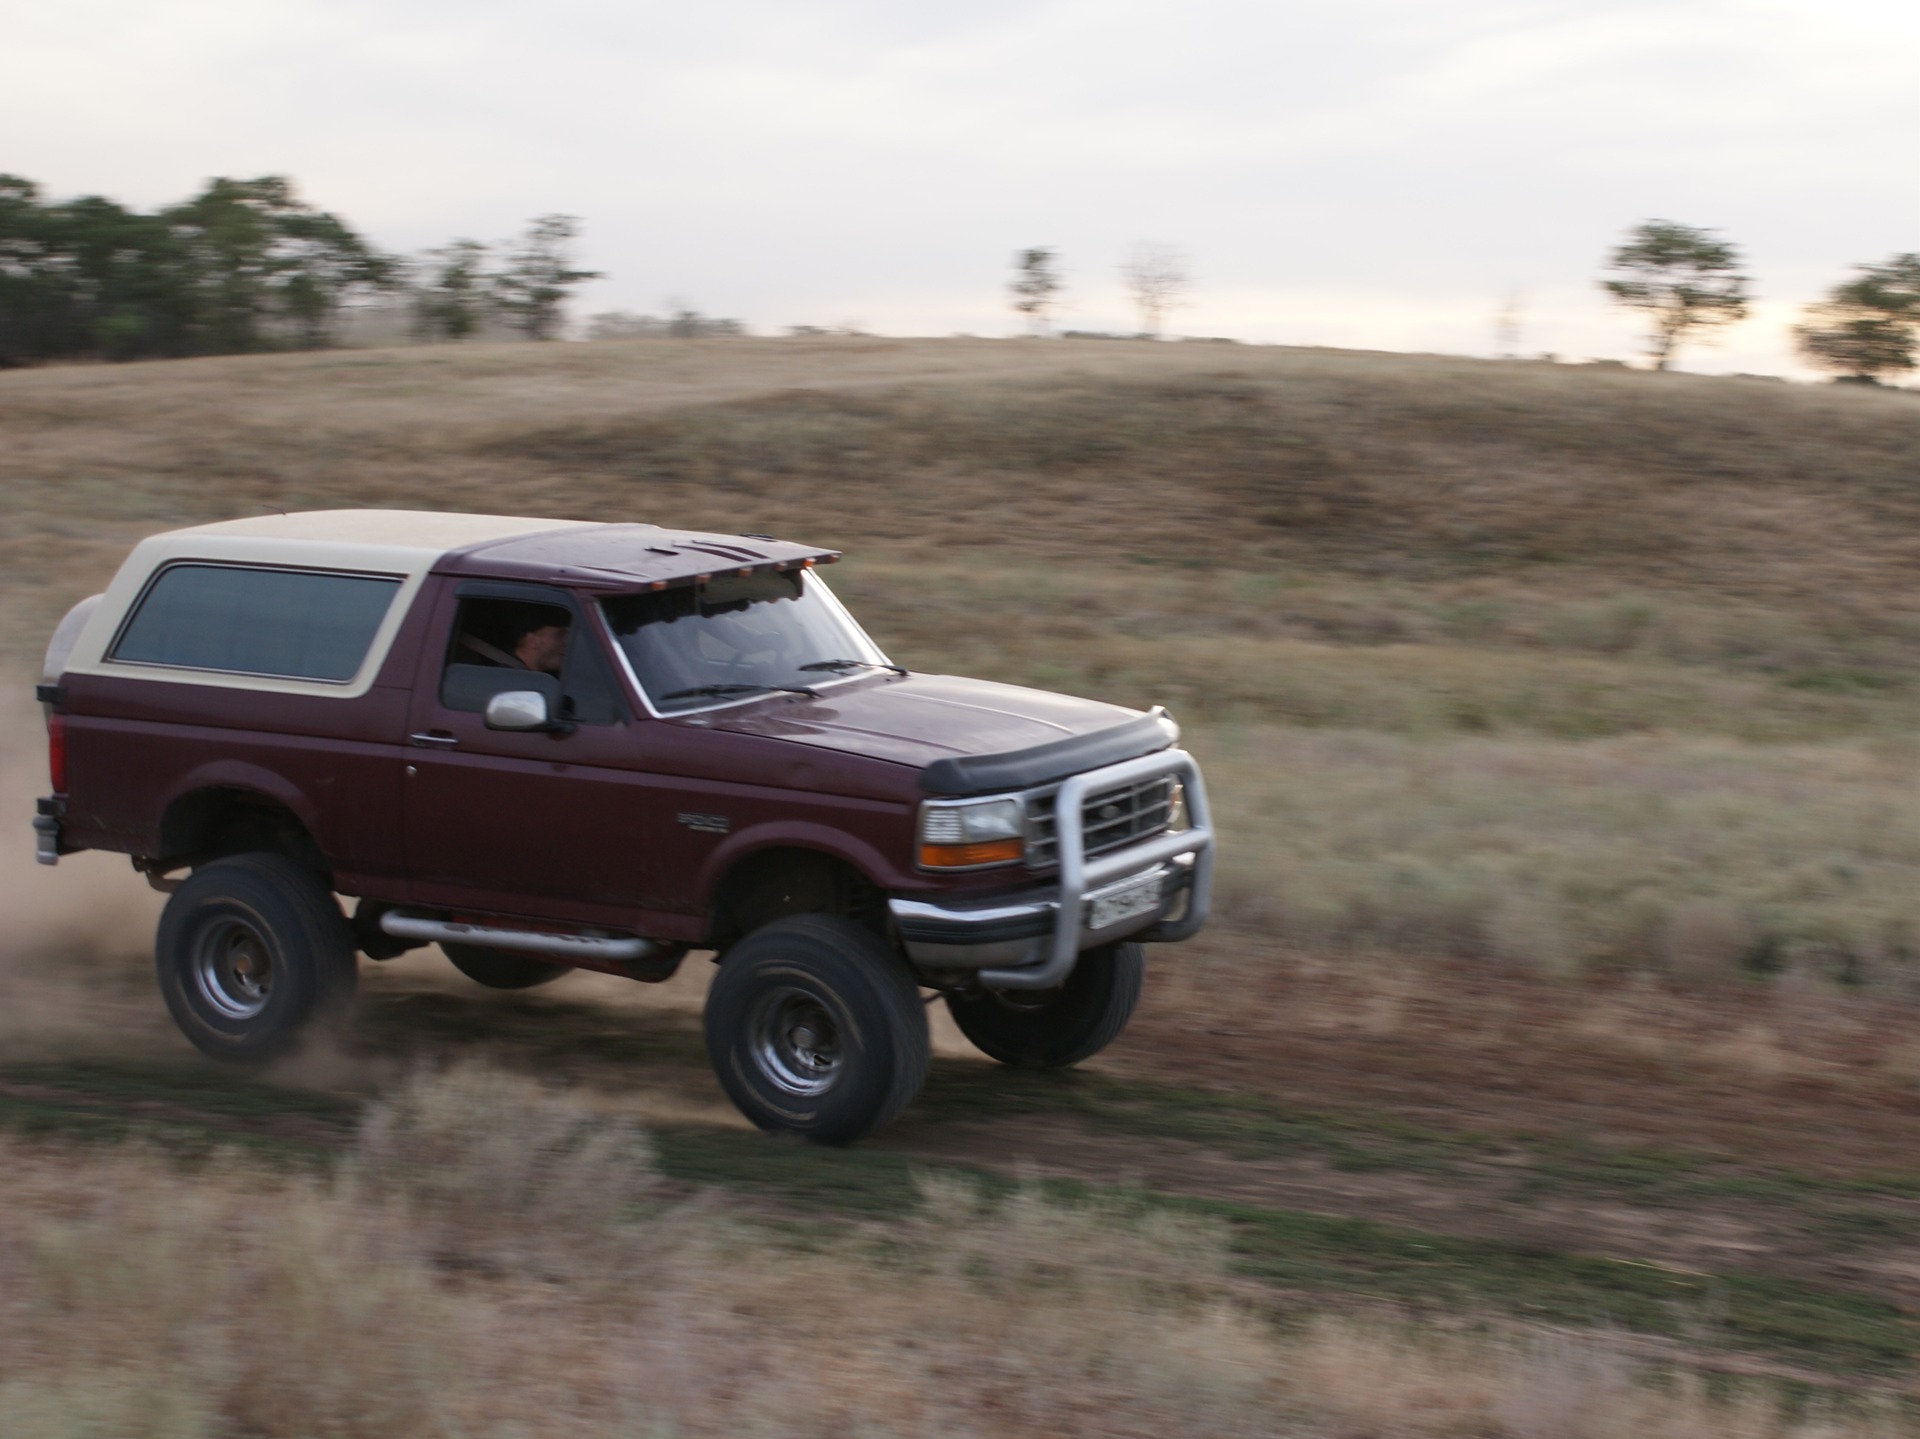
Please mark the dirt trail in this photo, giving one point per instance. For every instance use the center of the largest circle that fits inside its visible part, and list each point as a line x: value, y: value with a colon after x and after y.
x: 1638, y: 1124
x: 1447, y: 1101
x: 1785, y: 1079
x: 1701, y: 1237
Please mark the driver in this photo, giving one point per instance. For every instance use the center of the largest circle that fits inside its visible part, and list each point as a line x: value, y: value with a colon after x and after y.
x: 540, y: 644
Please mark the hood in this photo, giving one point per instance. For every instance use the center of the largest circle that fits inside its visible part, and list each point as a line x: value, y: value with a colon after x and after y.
x: 919, y: 719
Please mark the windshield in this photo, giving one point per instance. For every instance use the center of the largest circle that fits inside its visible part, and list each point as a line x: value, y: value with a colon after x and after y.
x: 737, y: 636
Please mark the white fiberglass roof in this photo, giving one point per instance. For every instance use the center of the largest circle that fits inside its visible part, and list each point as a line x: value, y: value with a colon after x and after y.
x: 399, y: 536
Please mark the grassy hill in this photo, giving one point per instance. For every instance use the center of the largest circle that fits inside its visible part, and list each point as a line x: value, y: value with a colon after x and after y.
x: 1760, y: 525
x: 1492, y: 659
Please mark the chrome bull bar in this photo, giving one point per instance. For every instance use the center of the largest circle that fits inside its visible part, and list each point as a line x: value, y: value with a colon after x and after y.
x: 1183, y: 858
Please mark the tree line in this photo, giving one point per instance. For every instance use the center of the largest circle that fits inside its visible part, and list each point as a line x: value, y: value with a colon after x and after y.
x: 1686, y: 281
x: 1155, y: 275
x: 247, y: 265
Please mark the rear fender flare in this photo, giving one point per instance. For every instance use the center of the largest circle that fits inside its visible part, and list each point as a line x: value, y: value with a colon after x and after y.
x: 240, y: 777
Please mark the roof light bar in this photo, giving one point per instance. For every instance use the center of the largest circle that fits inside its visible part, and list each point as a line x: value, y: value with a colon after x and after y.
x: 763, y: 567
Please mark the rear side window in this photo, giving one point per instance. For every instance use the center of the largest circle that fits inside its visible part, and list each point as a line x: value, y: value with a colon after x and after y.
x: 290, y: 624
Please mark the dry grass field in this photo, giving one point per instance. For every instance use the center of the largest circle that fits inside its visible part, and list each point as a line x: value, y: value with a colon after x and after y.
x: 1553, y: 1068
x: 590, y: 1295
x: 1594, y: 608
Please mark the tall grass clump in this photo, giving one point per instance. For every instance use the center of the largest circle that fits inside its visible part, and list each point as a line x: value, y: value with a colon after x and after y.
x: 1687, y: 855
x: 491, y: 1161
x: 1373, y: 1375
x: 143, y: 1300
x: 149, y: 1302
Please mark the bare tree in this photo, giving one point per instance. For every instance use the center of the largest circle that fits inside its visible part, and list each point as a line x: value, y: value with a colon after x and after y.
x: 1683, y: 278
x: 1156, y: 276
x: 1036, y: 287
x: 1508, y: 321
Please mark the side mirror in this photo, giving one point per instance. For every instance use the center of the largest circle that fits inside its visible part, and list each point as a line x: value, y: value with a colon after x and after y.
x: 518, y: 710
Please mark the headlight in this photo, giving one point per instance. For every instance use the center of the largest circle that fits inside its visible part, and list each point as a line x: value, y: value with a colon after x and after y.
x: 963, y: 834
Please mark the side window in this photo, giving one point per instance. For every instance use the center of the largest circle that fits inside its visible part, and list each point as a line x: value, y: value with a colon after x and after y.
x: 285, y: 624
x: 500, y: 645
x: 590, y: 694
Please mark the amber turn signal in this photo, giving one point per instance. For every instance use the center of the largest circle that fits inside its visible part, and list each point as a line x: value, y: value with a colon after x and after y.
x: 960, y: 856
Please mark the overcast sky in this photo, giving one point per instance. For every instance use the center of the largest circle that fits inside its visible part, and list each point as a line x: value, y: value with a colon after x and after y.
x: 1381, y: 173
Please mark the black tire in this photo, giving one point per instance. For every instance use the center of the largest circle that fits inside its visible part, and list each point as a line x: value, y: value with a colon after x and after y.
x: 815, y: 1027
x: 1053, y: 1028
x: 252, y: 952
x: 502, y: 968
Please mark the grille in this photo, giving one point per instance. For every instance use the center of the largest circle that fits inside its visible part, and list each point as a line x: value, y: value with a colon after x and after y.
x: 1108, y: 820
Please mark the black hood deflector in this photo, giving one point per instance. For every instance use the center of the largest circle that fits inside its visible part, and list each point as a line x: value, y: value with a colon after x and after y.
x: 1044, y: 763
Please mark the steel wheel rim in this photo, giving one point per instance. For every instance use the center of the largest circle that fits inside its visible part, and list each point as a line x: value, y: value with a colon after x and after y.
x: 795, y: 1041
x: 233, y: 969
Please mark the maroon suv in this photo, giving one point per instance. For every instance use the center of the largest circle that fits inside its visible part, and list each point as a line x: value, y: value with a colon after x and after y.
x: 549, y: 745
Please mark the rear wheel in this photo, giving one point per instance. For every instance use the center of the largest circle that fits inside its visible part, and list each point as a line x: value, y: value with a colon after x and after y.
x: 1054, y: 1028
x: 502, y: 968
x: 252, y: 951
x: 815, y: 1027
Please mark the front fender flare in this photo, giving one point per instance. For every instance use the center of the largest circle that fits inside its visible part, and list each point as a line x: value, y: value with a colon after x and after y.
x: 796, y: 834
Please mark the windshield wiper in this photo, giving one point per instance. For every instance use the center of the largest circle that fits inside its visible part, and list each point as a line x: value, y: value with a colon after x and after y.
x: 717, y: 690
x: 852, y: 665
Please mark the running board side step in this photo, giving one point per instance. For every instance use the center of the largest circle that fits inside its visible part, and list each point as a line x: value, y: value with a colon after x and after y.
x: 576, y: 948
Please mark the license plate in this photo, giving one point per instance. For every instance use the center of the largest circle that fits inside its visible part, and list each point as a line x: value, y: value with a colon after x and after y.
x: 1140, y: 897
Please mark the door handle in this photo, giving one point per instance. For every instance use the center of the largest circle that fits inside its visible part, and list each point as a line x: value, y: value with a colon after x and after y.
x: 434, y: 739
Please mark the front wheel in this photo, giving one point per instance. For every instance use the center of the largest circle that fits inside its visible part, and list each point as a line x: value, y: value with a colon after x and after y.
x: 815, y: 1027
x: 1054, y: 1028
x: 252, y: 950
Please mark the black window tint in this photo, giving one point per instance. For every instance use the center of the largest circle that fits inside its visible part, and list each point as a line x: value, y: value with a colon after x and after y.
x: 484, y: 659
x: 290, y: 623
x: 488, y: 631
x: 469, y: 687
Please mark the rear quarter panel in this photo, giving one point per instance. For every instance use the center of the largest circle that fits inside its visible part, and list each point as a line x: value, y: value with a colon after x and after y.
x: 137, y: 744
x: 134, y: 748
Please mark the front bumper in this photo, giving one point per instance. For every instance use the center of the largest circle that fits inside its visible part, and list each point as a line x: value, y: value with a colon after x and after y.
x: 1032, y: 940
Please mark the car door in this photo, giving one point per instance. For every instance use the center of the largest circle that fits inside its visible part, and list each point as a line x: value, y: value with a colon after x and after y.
x: 547, y: 825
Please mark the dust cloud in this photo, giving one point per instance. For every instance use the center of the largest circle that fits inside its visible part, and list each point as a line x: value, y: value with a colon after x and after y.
x: 76, y: 941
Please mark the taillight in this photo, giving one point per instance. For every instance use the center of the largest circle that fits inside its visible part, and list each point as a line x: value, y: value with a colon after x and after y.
x: 57, y: 752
